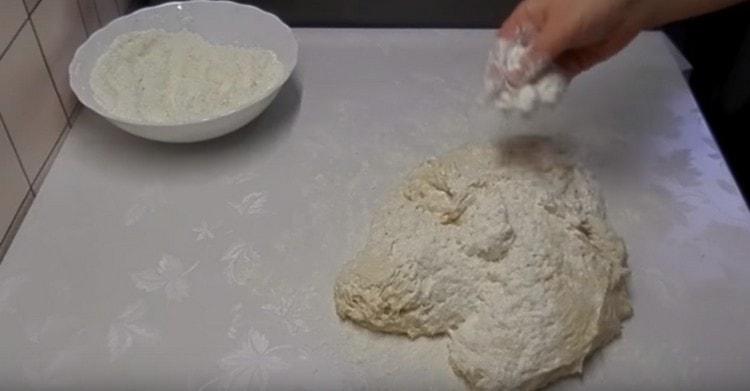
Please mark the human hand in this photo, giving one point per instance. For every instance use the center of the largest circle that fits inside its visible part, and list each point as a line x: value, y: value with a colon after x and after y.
x: 575, y: 35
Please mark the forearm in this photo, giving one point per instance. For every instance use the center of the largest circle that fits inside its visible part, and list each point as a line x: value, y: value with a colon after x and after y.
x: 660, y: 12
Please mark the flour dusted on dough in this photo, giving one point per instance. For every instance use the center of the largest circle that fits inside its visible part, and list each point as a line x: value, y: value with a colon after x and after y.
x: 160, y: 77
x: 506, y: 251
x: 506, y: 57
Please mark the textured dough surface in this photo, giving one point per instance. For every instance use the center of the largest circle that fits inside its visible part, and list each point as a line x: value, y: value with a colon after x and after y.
x: 504, y: 249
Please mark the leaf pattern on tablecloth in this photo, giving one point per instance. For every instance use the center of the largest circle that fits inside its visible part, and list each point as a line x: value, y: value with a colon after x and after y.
x: 237, y: 320
x: 241, y: 261
x: 129, y: 328
x: 57, y: 346
x: 238, y: 179
x: 52, y: 370
x: 8, y: 287
x: 289, y: 305
x: 250, y: 366
x: 50, y: 325
x: 170, y: 275
x: 205, y: 231
x: 250, y: 204
x: 148, y: 201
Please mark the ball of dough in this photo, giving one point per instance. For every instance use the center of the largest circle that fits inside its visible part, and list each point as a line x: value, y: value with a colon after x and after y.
x: 507, y: 252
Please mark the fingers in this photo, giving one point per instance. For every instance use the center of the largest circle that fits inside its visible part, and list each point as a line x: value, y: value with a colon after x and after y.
x: 575, y: 61
x: 575, y: 35
x: 555, y: 37
x: 508, y: 28
x: 522, y: 26
x: 539, y: 24
x: 527, y: 17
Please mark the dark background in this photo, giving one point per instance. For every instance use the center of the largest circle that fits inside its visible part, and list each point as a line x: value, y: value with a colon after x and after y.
x: 717, y: 46
x: 385, y: 13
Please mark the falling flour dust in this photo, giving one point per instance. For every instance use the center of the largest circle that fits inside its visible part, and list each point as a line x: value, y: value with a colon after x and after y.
x: 507, y: 252
x: 155, y: 76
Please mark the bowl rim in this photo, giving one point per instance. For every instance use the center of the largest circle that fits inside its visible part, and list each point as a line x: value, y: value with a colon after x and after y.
x: 287, y: 72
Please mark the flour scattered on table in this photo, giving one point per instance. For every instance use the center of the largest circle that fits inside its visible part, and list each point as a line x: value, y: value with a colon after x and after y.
x: 506, y: 58
x: 155, y: 76
x: 504, y: 250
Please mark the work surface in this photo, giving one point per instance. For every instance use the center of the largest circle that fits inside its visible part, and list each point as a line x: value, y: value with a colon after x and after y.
x: 210, y: 266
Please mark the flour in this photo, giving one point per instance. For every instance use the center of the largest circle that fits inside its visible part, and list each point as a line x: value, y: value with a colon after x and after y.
x: 507, y: 252
x: 159, y: 77
x: 505, y: 58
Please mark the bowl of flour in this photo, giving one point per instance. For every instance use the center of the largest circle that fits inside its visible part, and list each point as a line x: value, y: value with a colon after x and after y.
x: 184, y: 71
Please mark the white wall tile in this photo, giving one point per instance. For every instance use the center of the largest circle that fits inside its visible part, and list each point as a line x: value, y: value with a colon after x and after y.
x: 12, y: 15
x: 60, y: 30
x: 108, y: 10
x: 30, y: 4
x: 90, y: 17
x: 13, y: 184
x: 122, y: 6
x: 28, y: 102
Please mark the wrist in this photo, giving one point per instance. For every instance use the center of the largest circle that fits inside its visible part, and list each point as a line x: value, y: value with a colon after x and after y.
x: 643, y: 14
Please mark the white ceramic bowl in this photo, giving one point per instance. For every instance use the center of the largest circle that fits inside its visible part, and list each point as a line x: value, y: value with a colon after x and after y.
x: 220, y: 22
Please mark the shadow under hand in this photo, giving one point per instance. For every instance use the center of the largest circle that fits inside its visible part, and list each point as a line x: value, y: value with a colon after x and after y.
x: 536, y: 153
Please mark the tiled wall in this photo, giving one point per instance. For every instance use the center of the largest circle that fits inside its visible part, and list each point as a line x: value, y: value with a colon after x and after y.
x: 37, y: 42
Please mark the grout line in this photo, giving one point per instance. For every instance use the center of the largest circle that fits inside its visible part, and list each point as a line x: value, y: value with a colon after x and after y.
x: 15, y: 224
x: 77, y: 109
x: 96, y: 11
x: 28, y: 199
x: 83, y: 20
x: 15, y: 150
x: 51, y: 155
x: 38, y: 3
x: 49, y: 71
x: 13, y: 39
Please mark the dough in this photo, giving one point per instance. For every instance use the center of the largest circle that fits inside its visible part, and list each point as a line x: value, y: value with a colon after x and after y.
x: 505, y: 250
